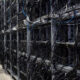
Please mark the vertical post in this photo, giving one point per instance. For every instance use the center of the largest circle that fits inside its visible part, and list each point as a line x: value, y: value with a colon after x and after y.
x: 53, y: 42
x: 28, y: 40
x: 18, y: 70
x: 28, y: 49
x: 75, y: 47
x: 10, y: 41
x: 5, y: 65
x: 69, y: 40
x: 28, y: 46
x: 76, y: 43
x: 53, y: 39
x: 2, y: 35
x: 69, y: 33
x: 1, y: 15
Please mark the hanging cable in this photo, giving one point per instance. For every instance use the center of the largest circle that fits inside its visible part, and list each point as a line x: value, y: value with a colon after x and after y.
x: 70, y: 20
x: 25, y: 14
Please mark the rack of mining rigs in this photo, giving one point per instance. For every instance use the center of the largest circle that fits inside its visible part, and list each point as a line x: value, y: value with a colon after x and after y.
x: 40, y: 39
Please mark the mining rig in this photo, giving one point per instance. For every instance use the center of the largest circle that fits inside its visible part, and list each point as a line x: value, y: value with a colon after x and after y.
x: 40, y: 39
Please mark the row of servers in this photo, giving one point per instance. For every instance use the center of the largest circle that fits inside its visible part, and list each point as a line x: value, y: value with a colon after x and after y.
x: 40, y: 39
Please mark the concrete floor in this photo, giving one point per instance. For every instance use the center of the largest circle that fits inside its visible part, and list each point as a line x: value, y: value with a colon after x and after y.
x: 4, y: 75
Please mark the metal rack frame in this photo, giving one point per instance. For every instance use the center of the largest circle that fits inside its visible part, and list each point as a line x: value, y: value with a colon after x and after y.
x: 12, y: 27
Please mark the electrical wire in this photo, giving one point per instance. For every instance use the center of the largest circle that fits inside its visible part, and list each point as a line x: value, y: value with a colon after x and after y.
x: 25, y: 14
x: 70, y: 20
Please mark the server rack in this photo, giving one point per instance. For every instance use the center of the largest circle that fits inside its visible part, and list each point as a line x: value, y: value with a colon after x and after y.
x: 44, y: 47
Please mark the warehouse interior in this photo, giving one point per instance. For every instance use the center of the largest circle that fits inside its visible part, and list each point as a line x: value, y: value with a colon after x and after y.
x: 40, y: 39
